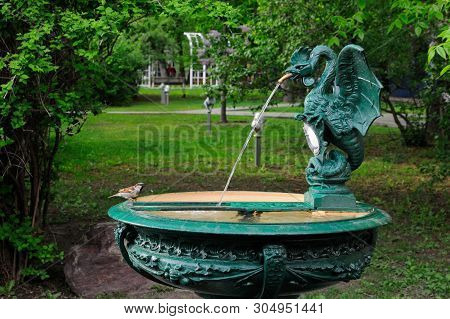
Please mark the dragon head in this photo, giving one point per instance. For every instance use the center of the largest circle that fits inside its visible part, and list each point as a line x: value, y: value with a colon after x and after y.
x: 301, y: 66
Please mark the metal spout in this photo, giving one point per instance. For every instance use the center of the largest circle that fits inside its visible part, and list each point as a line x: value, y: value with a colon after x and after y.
x: 285, y: 77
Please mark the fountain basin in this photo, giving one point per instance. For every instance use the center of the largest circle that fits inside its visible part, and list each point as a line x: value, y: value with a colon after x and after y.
x: 255, y: 245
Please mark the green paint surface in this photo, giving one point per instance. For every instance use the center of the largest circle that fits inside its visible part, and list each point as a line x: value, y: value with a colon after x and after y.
x: 126, y: 213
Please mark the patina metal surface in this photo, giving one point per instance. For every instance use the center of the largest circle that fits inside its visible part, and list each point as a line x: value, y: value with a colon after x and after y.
x: 245, y: 265
x: 339, y: 110
x: 141, y: 215
x: 244, y: 257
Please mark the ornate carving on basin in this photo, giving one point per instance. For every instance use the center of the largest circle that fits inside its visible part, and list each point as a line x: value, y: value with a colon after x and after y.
x: 216, y: 265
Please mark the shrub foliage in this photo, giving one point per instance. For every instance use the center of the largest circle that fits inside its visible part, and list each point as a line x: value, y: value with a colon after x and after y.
x: 54, y: 62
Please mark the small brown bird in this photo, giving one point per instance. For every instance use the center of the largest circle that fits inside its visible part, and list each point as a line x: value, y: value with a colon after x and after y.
x: 130, y: 192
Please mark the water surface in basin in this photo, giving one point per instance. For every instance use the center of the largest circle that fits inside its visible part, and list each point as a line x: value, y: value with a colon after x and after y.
x: 234, y: 216
x: 215, y: 196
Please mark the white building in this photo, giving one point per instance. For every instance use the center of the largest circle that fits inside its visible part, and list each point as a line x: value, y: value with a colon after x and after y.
x: 169, y: 73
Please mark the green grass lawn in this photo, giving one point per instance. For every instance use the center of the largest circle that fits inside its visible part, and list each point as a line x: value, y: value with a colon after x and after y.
x: 176, y: 153
x: 294, y: 109
x: 149, y: 100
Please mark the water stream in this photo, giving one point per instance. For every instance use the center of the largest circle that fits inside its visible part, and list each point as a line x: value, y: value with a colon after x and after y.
x: 247, y: 141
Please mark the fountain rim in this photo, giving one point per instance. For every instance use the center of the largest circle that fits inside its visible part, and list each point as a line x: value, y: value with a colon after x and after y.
x: 125, y: 213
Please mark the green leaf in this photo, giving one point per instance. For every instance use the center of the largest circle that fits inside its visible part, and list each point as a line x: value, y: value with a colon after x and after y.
x: 359, y: 16
x: 390, y: 28
x: 5, y: 142
x: 333, y: 41
x: 417, y: 30
x: 431, y: 54
x: 342, y: 34
x: 361, y: 4
x: 439, y: 15
x: 404, y: 18
x: 445, y: 34
x: 360, y: 34
x: 445, y: 70
x: 422, y: 24
x: 440, y: 50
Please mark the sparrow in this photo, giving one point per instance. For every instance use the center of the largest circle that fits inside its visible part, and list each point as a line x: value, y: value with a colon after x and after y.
x: 130, y: 192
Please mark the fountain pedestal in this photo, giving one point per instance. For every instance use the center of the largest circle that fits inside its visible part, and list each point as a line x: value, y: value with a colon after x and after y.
x: 256, y: 245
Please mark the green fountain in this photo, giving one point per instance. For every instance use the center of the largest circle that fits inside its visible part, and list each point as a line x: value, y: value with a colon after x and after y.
x: 265, y: 245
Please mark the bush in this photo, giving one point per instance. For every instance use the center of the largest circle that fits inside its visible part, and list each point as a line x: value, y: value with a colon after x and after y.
x: 23, y: 238
x: 58, y: 63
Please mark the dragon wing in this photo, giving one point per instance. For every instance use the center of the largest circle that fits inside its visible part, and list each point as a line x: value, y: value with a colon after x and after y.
x: 358, y: 86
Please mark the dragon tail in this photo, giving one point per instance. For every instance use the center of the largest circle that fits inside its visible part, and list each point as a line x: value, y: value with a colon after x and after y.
x: 352, y: 143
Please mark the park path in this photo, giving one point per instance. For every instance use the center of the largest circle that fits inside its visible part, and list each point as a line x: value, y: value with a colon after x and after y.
x: 385, y: 120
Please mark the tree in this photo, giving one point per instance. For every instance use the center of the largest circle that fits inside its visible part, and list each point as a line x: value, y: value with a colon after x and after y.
x: 54, y: 59
x: 396, y: 36
x: 226, y: 19
x: 281, y: 27
x: 231, y: 66
x: 401, y: 37
x: 161, y: 38
x: 122, y: 71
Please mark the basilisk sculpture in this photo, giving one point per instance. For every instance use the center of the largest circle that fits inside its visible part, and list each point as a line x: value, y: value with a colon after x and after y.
x: 338, y: 110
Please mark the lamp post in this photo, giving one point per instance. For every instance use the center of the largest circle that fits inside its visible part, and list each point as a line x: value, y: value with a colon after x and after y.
x: 257, y: 124
x: 163, y: 95
x: 208, y: 104
x: 166, y: 94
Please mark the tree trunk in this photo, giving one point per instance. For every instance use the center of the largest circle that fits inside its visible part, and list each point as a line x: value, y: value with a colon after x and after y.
x: 434, y: 117
x: 28, y: 175
x: 182, y: 70
x: 288, y: 97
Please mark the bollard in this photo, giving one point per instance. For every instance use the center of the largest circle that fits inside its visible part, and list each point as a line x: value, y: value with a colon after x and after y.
x: 208, y: 121
x: 258, y: 149
x: 166, y: 93
x: 258, y: 126
x: 163, y: 95
x: 208, y: 104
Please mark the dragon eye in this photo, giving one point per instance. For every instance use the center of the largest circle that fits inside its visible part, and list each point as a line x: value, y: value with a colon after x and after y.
x: 301, y: 66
